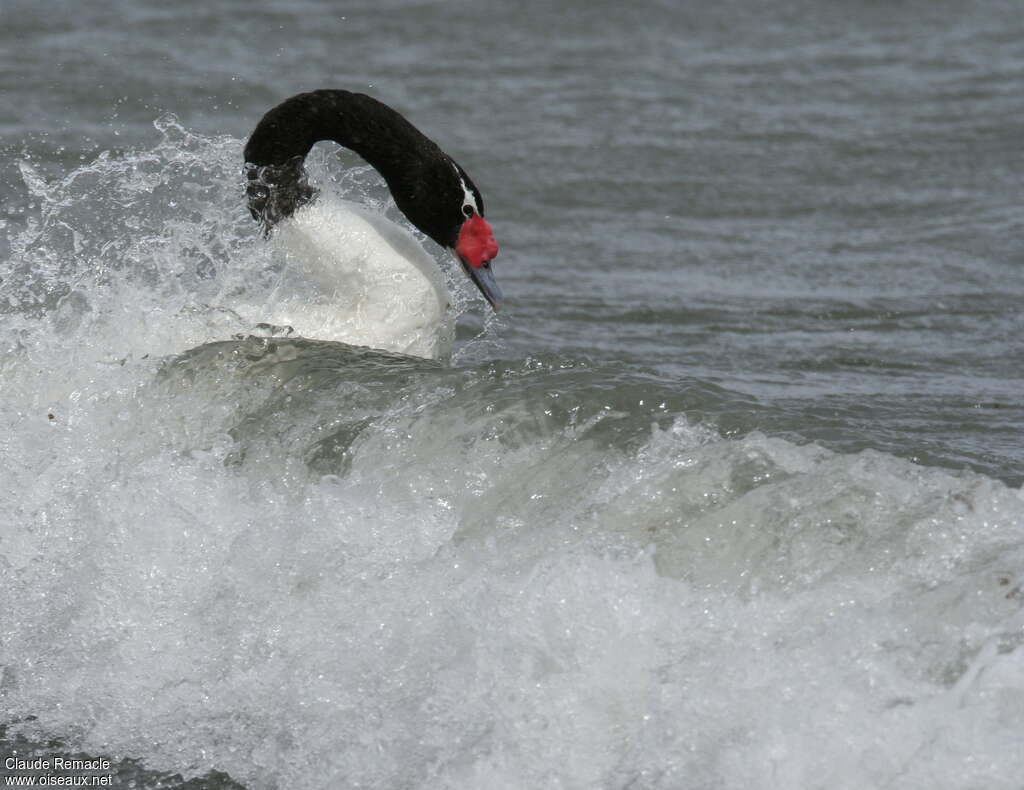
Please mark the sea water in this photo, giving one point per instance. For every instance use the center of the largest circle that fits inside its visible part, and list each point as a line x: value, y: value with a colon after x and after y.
x: 728, y: 497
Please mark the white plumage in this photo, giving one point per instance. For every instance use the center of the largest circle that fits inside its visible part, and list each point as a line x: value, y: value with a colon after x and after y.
x: 351, y: 275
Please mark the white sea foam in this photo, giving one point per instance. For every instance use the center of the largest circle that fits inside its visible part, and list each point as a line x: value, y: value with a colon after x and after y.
x: 312, y: 568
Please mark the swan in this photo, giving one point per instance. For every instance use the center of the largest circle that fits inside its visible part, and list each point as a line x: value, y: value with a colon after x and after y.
x: 350, y: 274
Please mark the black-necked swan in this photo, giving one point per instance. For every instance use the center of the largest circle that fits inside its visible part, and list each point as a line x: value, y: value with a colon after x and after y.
x: 353, y: 275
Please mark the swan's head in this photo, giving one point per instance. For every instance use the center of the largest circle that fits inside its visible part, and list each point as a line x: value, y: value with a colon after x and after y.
x: 476, y: 248
x: 445, y: 204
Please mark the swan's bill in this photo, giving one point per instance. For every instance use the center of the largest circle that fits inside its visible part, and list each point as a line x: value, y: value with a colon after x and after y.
x: 483, y: 278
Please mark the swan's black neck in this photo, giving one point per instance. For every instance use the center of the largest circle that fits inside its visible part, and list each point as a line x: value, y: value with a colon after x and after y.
x: 426, y: 183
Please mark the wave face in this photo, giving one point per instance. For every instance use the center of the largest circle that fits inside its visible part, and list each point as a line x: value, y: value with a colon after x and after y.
x: 313, y: 565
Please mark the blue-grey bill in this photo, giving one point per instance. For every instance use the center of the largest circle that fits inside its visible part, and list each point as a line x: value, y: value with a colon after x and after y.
x: 483, y: 278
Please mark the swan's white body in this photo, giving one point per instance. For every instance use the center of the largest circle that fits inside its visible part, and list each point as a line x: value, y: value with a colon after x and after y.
x: 352, y: 275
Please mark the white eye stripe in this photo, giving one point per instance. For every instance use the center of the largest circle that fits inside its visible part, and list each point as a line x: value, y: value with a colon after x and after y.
x: 468, y: 198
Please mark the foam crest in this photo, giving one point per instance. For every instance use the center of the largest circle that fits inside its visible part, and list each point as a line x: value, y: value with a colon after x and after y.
x: 500, y: 596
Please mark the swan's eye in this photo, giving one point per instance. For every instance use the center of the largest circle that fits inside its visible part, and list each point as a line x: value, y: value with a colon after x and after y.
x: 468, y: 210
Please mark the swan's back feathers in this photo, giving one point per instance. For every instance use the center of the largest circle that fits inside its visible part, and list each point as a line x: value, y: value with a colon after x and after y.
x: 352, y: 275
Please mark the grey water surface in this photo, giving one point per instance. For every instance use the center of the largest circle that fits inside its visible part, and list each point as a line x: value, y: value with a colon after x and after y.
x: 728, y: 496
